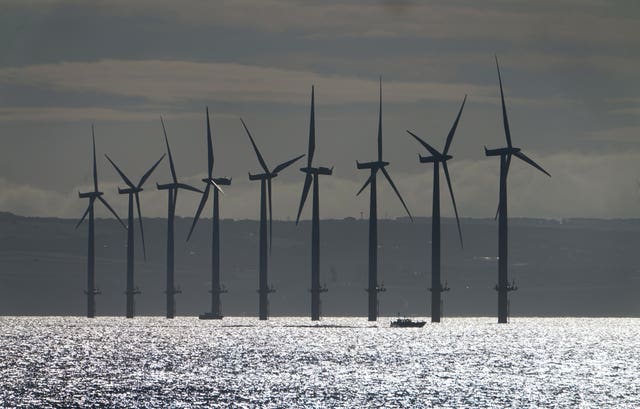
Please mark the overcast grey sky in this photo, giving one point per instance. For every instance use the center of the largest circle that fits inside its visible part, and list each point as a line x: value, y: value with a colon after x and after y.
x: 570, y: 69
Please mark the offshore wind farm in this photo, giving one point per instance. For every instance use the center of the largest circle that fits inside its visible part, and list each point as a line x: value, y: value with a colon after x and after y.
x: 134, y: 273
x: 312, y: 174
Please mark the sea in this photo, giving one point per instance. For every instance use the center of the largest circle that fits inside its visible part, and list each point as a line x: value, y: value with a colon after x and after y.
x: 292, y: 362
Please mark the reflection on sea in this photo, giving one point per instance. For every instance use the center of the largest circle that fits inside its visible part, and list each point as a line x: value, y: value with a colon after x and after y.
x: 344, y: 362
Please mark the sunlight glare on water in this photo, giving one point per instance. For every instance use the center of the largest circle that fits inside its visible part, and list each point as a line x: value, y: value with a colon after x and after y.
x: 288, y: 362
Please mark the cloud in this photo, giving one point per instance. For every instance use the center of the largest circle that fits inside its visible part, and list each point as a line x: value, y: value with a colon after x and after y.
x: 565, y: 21
x: 163, y: 83
x: 168, y: 81
x: 85, y: 114
x: 593, y: 21
x: 33, y: 201
x: 625, y: 106
x: 616, y: 135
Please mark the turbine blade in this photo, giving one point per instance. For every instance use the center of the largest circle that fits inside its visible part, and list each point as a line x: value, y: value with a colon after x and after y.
x: 255, y: 148
x: 213, y: 182
x: 270, y: 215
x: 312, y: 129
x: 86, y: 212
x: 144, y: 246
x: 175, y: 199
x: 305, y: 191
x: 171, y: 165
x: 286, y: 164
x: 365, y: 185
x: 430, y: 148
x: 122, y: 175
x: 507, y: 166
x: 453, y: 128
x: 531, y: 162
x: 108, y: 206
x: 188, y: 187
x: 209, y: 147
x: 95, y: 166
x: 505, y: 120
x: 203, y: 202
x: 453, y: 200
x: 150, y: 171
x: 380, y: 124
x: 395, y: 189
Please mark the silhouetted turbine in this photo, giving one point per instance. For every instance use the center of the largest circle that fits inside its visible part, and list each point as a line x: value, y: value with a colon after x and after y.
x: 503, y: 287
x: 216, y: 287
x: 134, y: 193
x: 312, y: 176
x: 265, y: 188
x: 438, y: 158
x: 172, y: 189
x: 374, y: 167
x: 91, y: 258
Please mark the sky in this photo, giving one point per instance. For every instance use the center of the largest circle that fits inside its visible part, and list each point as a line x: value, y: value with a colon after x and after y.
x: 570, y: 70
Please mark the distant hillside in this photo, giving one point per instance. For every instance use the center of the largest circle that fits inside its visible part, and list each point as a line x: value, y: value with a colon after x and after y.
x: 578, y: 267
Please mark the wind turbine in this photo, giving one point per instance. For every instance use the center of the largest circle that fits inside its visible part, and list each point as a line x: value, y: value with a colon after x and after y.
x: 312, y: 176
x: 374, y: 167
x: 91, y: 257
x: 134, y: 193
x: 172, y: 189
x: 216, y: 287
x: 503, y: 287
x: 265, y: 189
x: 438, y: 158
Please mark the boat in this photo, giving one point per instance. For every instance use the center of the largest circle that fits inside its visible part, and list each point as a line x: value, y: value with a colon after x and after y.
x: 407, y: 323
x: 209, y: 316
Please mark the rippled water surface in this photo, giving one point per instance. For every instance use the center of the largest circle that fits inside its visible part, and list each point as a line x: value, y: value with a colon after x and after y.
x: 287, y: 362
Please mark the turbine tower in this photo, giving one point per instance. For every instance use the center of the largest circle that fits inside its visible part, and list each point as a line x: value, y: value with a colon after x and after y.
x: 265, y: 190
x: 374, y: 167
x: 503, y: 287
x: 134, y: 193
x: 172, y: 189
x: 216, y: 287
x: 438, y: 158
x: 312, y: 176
x: 94, y: 195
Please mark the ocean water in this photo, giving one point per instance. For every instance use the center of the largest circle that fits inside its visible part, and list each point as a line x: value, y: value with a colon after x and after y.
x: 289, y: 362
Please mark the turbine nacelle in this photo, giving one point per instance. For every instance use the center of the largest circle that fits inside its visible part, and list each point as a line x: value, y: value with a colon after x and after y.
x: 379, y: 164
x: 93, y: 195
x: 317, y: 171
x: 262, y: 176
x: 219, y: 181
x: 214, y: 182
x: 433, y: 159
x: 131, y: 190
x: 177, y: 186
x: 325, y: 171
x: 501, y: 151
